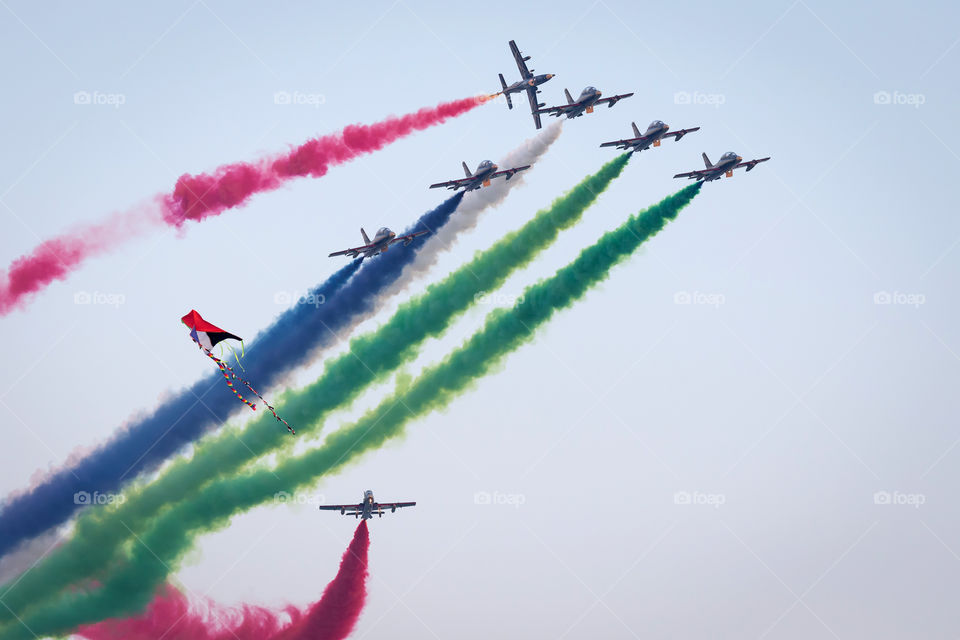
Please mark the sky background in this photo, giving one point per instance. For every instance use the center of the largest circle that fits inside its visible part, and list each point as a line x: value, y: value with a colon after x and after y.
x: 792, y: 401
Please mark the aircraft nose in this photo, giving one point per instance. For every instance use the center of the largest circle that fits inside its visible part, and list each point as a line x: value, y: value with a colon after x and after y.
x: 550, y: 75
x: 739, y: 158
x: 666, y: 127
x: 495, y: 167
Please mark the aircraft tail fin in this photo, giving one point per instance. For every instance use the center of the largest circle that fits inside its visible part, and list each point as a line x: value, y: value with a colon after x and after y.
x: 466, y: 170
x: 706, y: 161
x: 366, y: 239
x: 569, y: 97
x: 636, y: 130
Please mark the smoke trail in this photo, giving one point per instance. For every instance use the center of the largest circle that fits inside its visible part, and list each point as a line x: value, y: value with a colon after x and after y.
x: 210, y: 194
x: 370, y: 357
x: 475, y: 202
x: 296, y: 338
x: 54, y: 259
x: 148, y: 563
x: 348, y: 296
x: 333, y: 617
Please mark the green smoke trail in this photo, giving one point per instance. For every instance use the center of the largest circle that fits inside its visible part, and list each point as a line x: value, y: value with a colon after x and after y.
x: 148, y: 563
x: 98, y: 536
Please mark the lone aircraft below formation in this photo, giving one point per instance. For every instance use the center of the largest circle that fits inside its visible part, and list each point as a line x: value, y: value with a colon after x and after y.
x: 366, y: 509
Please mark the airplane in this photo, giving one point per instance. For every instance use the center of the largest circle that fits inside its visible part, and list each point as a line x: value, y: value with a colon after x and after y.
x: 529, y: 83
x: 486, y: 170
x: 366, y: 509
x: 657, y: 130
x: 589, y: 98
x: 724, y: 167
x: 381, y: 242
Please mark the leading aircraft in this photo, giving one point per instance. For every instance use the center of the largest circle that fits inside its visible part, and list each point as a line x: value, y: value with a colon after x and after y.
x: 529, y: 83
x: 589, y: 98
x: 366, y: 509
x: 486, y: 171
x: 657, y: 131
x: 724, y: 167
x: 380, y: 243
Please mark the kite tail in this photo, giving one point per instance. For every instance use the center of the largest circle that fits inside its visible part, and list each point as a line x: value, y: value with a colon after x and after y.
x: 267, y: 404
x: 229, y: 373
x: 224, y: 369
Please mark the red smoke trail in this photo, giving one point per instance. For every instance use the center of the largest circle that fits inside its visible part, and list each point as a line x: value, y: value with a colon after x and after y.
x: 210, y: 194
x: 54, y: 259
x: 172, y: 616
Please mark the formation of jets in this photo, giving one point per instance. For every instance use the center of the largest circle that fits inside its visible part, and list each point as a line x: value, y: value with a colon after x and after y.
x: 367, y: 508
x: 485, y: 172
x: 588, y: 99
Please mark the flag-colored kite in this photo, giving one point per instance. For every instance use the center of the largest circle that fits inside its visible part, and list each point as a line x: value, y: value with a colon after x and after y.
x: 207, y: 336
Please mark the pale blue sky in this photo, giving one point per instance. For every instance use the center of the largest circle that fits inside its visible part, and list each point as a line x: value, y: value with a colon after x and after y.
x: 795, y: 400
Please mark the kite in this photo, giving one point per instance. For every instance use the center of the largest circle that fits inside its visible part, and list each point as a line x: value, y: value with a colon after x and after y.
x: 207, y: 336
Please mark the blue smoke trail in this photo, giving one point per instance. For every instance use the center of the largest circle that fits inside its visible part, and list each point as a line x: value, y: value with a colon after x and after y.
x: 279, y: 349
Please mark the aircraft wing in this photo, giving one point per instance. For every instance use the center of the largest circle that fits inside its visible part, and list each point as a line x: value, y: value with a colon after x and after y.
x: 347, y: 509
x: 407, y: 238
x: 453, y: 184
x: 626, y: 143
x: 521, y: 63
x: 612, y: 100
x: 534, y: 105
x: 679, y: 133
x: 750, y: 164
x: 396, y: 505
x: 702, y: 173
x: 509, y: 172
x: 557, y: 111
x: 354, y: 252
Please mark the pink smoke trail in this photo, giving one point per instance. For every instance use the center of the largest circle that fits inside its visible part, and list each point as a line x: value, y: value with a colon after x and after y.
x: 172, y: 616
x: 210, y: 194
